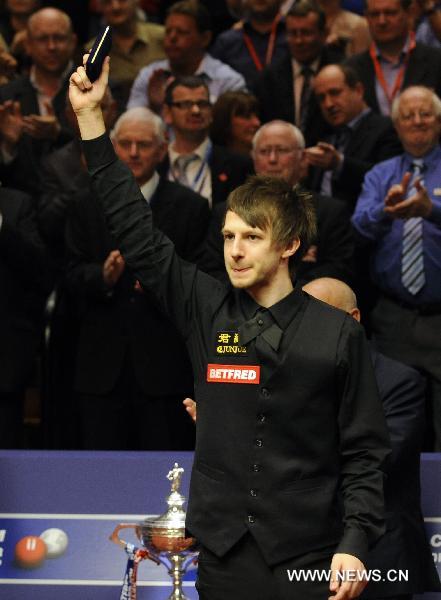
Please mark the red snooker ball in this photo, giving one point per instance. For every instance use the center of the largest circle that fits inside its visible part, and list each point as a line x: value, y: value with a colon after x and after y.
x: 30, y: 552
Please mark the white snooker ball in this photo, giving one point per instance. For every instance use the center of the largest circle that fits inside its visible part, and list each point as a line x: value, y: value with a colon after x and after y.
x: 56, y: 541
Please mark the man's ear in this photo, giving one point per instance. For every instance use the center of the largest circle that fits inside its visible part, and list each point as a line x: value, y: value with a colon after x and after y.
x: 355, y: 313
x: 291, y: 249
x: 360, y: 88
x: 163, y: 151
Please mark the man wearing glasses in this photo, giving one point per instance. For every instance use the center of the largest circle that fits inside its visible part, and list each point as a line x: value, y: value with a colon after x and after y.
x: 278, y: 151
x: 399, y: 212
x: 192, y: 159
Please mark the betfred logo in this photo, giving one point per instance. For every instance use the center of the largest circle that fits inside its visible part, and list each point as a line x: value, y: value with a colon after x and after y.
x: 233, y: 374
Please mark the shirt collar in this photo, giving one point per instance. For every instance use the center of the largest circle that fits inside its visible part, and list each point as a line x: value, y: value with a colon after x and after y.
x: 403, y: 52
x: 204, y: 68
x: 297, y: 67
x: 201, y: 151
x: 149, y: 187
x: 431, y: 158
x: 142, y: 34
x: 64, y: 75
x: 352, y: 124
x: 270, y: 322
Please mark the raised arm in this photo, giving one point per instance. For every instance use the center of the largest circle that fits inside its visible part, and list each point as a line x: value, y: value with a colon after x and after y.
x: 177, y: 285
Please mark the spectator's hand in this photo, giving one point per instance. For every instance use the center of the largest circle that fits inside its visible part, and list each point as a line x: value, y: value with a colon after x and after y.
x: 45, y: 127
x: 397, y: 193
x: 8, y: 65
x: 418, y: 205
x: 156, y: 86
x: 85, y: 96
x: 11, y: 123
x: 190, y: 407
x: 18, y: 44
x: 348, y: 568
x: 113, y: 268
x: 325, y: 156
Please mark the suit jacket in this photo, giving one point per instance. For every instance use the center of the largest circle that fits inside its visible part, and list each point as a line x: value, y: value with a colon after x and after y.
x: 404, y: 545
x: 423, y: 68
x: 372, y: 140
x: 275, y: 91
x: 24, y: 286
x: 124, y: 322
x: 23, y: 172
x: 331, y: 255
x: 63, y: 177
x: 228, y: 171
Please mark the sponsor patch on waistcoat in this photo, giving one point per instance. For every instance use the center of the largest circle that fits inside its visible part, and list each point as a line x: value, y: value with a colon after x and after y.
x: 227, y: 342
x: 233, y: 373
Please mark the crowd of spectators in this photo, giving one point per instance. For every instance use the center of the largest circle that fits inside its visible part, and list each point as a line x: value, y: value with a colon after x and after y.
x: 201, y: 95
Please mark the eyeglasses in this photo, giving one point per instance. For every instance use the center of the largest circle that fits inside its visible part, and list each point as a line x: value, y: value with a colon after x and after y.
x: 278, y: 150
x: 57, y: 39
x: 188, y: 104
x: 423, y: 115
x: 142, y: 146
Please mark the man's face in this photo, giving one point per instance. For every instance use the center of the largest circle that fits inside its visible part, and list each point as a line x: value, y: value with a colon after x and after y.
x: 338, y: 102
x: 50, y: 42
x: 191, y: 111
x: 388, y: 21
x: 118, y: 12
x: 262, y: 9
x: 22, y: 7
x: 136, y: 145
x: 183, y: 40
x: 277, y: 154
x: 417, y: 125
x: 252, y: 259
x: 305, y: 39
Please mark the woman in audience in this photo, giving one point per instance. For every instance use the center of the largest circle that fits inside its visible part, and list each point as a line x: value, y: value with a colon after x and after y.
x: 235, y: 121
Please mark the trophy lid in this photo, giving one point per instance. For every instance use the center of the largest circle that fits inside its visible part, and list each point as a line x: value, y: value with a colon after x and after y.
x: 174, y: 517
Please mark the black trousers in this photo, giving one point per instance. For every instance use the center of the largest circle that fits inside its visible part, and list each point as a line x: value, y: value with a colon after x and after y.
x: 243, y: 573
x: 413, y: 339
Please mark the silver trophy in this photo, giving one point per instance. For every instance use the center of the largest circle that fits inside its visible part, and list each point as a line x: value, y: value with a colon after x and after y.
x: 164, y: 537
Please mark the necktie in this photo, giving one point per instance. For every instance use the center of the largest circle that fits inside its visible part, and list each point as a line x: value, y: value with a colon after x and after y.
x: 342, y: 137
x: 307, y: 73
x: 181, y: 166
x: 412, y: 259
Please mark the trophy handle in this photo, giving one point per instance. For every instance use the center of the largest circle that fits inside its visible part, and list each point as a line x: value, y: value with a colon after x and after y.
x: 114, y: 537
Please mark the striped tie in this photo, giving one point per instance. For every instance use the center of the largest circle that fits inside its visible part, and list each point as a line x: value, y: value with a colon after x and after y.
x: 412, y: 259
x: 181, y: 168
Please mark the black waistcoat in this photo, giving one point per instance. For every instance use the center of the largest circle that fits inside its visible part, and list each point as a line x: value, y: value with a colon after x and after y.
x: 267, y: 456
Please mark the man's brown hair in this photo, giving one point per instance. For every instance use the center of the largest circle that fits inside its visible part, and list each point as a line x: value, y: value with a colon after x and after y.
x: 272, y: 204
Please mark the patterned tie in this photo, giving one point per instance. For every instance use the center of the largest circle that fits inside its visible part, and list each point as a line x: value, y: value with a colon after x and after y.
x: 307, y: 73
x: 180, y: 168
x: 412, y: 259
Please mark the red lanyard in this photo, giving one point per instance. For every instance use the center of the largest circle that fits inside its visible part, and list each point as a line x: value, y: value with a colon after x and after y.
x: 269, y: 49
x: 399, y: 78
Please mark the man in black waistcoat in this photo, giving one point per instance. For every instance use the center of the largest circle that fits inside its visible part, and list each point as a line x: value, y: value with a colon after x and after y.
x: 290, y: 436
